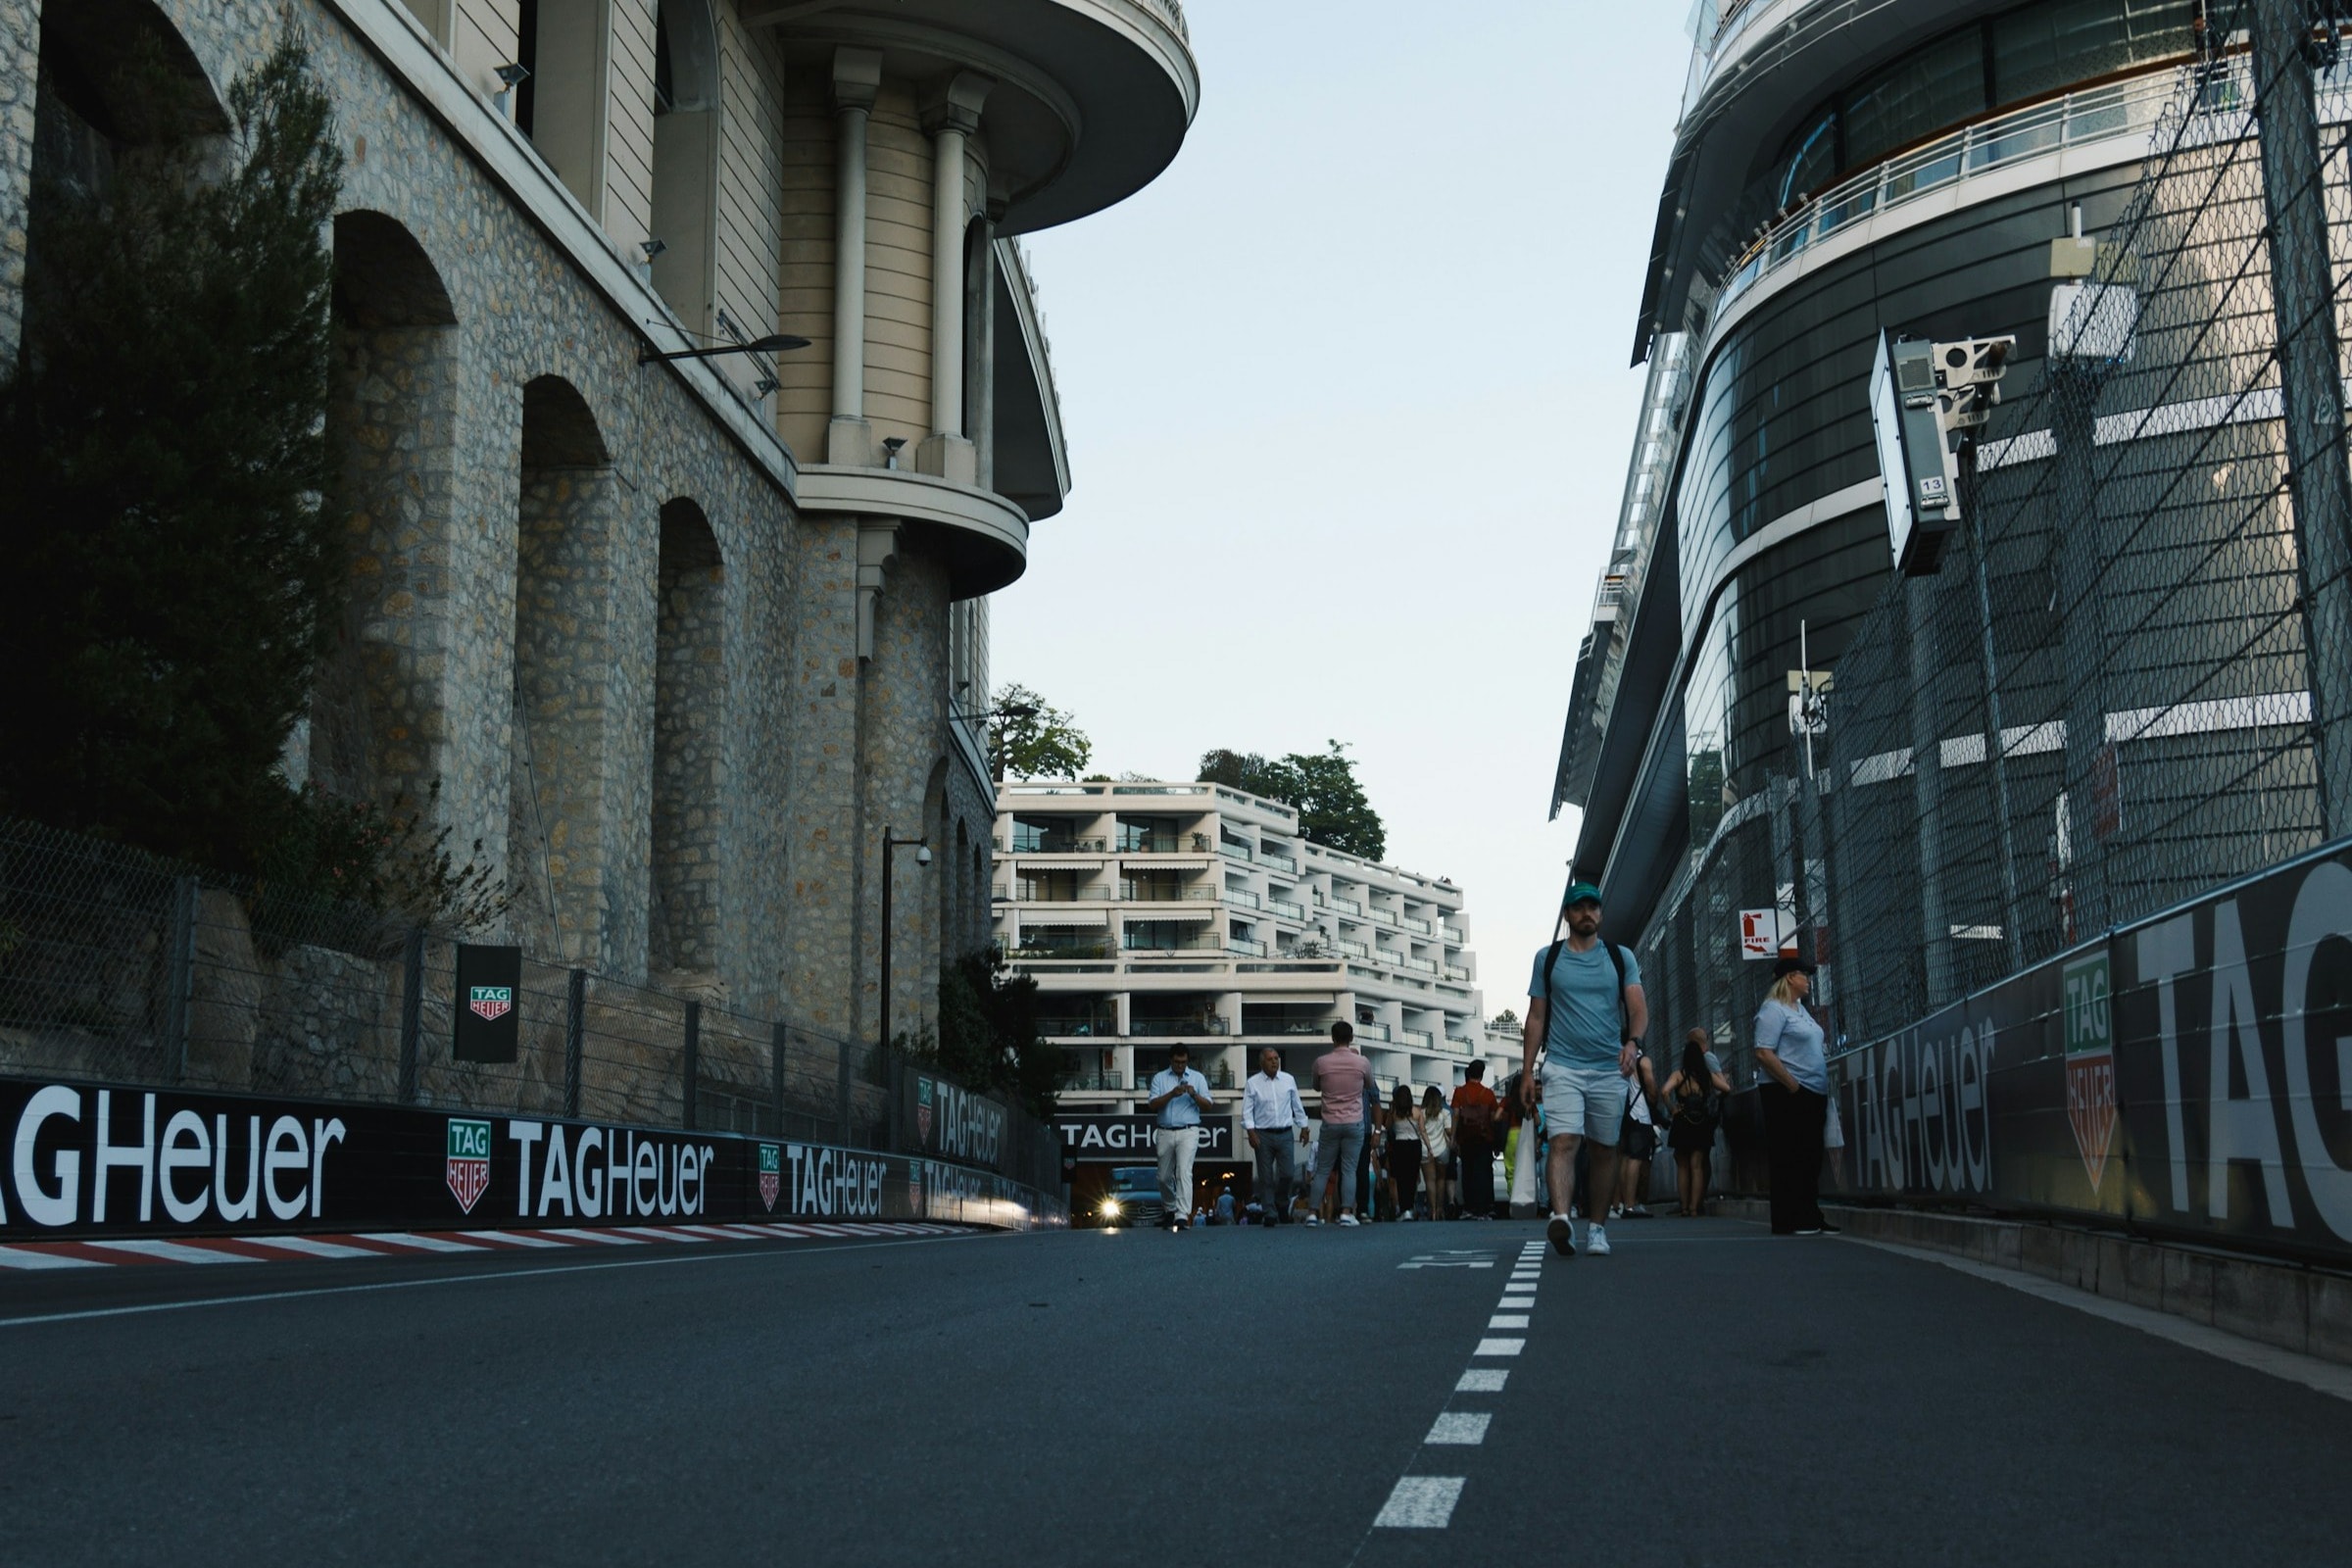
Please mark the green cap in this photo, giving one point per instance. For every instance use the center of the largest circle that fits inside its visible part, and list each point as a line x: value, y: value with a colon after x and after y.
x: 1579, y: 893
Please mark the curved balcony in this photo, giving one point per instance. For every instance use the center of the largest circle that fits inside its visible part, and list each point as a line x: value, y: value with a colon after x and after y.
x: 1092, y: 98
x: 983, y: 537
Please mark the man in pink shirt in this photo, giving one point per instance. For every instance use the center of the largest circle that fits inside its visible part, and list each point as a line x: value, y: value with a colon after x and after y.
x: 1344, y: 1077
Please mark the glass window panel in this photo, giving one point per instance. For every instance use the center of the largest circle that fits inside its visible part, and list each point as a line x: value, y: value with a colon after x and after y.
x: 1927, y: 90
x: 1811, y: 161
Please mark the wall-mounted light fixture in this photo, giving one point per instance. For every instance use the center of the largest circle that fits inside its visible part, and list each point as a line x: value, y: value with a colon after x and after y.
x: 773, y: 343
x: 652, y: 247
x: 765, y: 385
x: 890, y: 450
x: 511, y: 76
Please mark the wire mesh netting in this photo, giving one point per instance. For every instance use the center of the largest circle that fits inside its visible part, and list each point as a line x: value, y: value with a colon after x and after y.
x: 2129, y: 680
x: 118, y: 967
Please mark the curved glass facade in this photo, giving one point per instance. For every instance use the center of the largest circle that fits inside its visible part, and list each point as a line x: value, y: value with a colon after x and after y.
x: 2037, y: 49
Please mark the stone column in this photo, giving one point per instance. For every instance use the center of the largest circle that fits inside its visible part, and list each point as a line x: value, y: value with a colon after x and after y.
x: 980, y: 376
x: 951, y: 118
x: 856, y: 79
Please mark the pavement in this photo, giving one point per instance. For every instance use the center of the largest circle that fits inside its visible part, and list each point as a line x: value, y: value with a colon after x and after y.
x: 1392, y: 1395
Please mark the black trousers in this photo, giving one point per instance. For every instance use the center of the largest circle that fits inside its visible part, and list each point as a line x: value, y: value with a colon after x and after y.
x: 1793, y: 1120
x: 1478, y: 1181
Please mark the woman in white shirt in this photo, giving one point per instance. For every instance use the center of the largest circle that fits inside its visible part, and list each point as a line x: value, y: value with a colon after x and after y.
x: 1437, y: 1148
x: 1792, y: 1053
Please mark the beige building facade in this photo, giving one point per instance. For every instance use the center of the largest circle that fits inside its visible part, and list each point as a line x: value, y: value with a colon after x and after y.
x: 678, y: 642
x: 1157, y: 911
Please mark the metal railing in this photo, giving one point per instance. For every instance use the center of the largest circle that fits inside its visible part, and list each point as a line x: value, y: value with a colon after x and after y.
x: 1242, y: 899
x: 1246, y: 947
x: 120, y: 967
x: 1235, y: 852
x: 1286, y: 908
x: 1172, y: 1028
x: 1419, y: 1036
x: 1413, y: 923
x: 2097, y: 114
x: 1372, y: 1031
x: 1278, y: 861
x: 1454, y: 935
x: 1346, y: 906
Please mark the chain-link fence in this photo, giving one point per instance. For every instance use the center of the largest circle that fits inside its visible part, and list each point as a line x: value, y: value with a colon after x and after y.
x: 2107, y: 700
x: 2130, y: 679
x: 118, y: 967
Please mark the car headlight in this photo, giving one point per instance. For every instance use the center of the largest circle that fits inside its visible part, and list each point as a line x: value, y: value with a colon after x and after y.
x: 1111, y: 1208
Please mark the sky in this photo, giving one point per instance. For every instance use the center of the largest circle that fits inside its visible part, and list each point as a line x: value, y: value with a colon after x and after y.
x: 1349, y: 413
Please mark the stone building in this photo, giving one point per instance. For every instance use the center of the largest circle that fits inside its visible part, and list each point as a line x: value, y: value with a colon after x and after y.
x: 678, y: 641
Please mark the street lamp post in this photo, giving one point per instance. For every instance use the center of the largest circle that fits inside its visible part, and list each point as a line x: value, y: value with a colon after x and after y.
x: 922, y: 856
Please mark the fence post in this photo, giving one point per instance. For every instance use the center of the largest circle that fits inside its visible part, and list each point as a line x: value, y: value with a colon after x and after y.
x: 179, y: 1003
x: 2311, y: 391
x: 775, y: 1072
x: 412, y: 1014
x: 575, y: 1032
x: 841, y: 1115
x: 693, y: 1064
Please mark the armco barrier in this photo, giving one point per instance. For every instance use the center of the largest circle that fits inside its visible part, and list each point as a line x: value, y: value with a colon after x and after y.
x: 2187, y: 1076
x: 81, y: 1159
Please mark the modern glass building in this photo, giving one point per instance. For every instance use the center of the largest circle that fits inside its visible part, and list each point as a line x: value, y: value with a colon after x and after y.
x: 1840, y: 172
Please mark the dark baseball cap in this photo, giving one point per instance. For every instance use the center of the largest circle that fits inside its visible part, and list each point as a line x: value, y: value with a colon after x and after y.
x: 1579, y: 893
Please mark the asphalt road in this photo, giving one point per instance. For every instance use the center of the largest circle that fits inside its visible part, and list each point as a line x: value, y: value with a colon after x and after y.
x: 1706, y: 1395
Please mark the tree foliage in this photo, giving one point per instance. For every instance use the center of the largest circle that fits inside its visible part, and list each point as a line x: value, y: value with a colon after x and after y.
x: 1029, y: 738
x: 1322, y: 787
x: 171, y: 565
x: 987, y: 1039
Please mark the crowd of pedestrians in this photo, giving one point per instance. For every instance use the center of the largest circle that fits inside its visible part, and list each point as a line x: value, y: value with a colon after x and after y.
x: 1585, y: 1116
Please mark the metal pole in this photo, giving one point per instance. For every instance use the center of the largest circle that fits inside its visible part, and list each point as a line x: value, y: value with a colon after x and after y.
x: 180, y: 1001
x: 693, y: 1064
x: 888, y: 840
x: 2302, y: 294
x: 412, y: 1014
x: 575, y: 1034
x: 1996, y: 755
x: 1927, y: 777
x: 776, y: 1038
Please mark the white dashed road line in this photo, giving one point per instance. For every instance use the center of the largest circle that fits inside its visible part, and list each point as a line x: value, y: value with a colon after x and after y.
x: 1483, y: 1380
x: 1420, y: 1502
x: 1459, y: 1429
x: 1500, y: 1348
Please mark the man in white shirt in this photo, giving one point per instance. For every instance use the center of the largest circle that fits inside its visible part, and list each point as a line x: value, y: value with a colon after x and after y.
x: 1179, y: 1096
x: 1276, y: 1121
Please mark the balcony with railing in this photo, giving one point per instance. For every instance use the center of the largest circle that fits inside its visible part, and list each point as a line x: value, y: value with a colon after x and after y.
x: 1346, y: 906
x: 1276, y: 862
x: 1351, y: 949
x: 1454, y: 972
x: 1177, y: 1028
x: 1420, y: 965
x: 1286, y: 908
x: 1242, y: 899
x: 1456, y: 938
x: 1418, y: 1036
x: 1235, y: 852
x: 1415, y: 923
x: 1372, y: 1031
x: 1097, y: 1025
x: 1246, y: 947
x: 1091, y: 1078
x: 2095, y: 113
x: 1385, y: 917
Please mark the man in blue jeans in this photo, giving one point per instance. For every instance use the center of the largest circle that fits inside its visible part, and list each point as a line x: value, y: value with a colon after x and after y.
x: 1344, y: 1079
x: 1584, y: 1011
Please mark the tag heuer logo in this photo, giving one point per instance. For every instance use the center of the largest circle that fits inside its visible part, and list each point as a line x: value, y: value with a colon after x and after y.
x: 467, y: 1170
x: 491, y: 1003
x: 2090, y: 1063
x: 915, y: 1184
x: 771, y: 1174
x: 922, y: 1110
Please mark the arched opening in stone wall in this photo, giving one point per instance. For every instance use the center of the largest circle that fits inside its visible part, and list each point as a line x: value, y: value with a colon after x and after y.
x: 95, y: 105
x: 565, y: 46
x: 559, y: 835
x: 379, y: 720
x: 690, y: 706
x: 685, y: 174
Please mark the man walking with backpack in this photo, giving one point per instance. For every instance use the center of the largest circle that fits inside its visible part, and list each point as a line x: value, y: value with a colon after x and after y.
x: 1584, y: 1011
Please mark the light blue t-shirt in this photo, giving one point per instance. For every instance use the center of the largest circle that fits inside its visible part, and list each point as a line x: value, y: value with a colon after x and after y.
x: 1790, y: 1034
x: 1182, y: 1110
x: 1587, y: 1023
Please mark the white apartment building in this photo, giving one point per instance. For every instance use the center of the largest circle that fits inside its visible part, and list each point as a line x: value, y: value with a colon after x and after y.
x: 1153, y: 913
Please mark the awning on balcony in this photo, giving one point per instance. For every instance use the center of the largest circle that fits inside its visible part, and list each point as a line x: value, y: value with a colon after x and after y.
x: 1073, y: 917
x: 1173, y: 911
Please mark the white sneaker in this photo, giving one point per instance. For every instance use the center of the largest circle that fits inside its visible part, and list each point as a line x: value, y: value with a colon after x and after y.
x: 1597, y: 1241
x: 1346, y: 1218
x: 1314, y: 1219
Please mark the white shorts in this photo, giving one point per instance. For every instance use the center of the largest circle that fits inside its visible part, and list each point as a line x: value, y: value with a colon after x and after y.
x: 1585, y: 1101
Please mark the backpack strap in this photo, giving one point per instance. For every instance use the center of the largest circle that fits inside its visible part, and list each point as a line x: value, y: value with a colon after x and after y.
x: 1625, y: 1014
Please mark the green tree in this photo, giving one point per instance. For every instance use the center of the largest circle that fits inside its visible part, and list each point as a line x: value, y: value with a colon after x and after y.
x: 171, y: 565
x: 1029, y: 738
x: 987, y: 1038
x: 1322, y: 787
